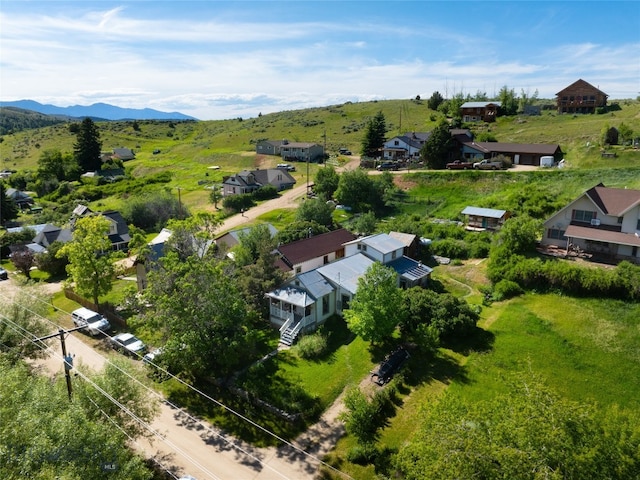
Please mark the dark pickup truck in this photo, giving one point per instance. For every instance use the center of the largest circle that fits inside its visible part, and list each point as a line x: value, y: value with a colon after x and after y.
x: 459, y: 165
x: 389, y: 366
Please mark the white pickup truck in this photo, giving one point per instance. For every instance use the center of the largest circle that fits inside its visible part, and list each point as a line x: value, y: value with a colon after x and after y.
x: 488, y: 165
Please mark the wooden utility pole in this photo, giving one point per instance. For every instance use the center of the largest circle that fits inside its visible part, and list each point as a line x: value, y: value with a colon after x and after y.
x: 67, y: 359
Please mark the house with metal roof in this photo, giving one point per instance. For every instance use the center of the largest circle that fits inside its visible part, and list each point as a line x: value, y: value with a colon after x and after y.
x: 602, y: 221
x: 479, y: 111
x: 480, y: 219
x: 580, y: 97
x: 310, y: 298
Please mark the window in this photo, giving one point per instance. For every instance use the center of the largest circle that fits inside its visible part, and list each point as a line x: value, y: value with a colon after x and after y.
x: 393, y: 255
x: 638, y: 225
x: 345, y: 302
x: 396, y: 143
x: 583, y: 215
x: 298, y: 270
x: 325, y: 259
x: 325, y: 305
x: 620, y: 220
x: 556, y: 234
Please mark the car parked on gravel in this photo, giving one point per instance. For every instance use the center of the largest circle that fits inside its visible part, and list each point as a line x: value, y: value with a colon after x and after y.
x: 3, y: 274
x: 389, y: 366
x: 93, y: 322
x: 128, y: 344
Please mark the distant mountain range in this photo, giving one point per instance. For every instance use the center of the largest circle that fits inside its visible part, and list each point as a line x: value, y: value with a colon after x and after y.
x: 102, y: 111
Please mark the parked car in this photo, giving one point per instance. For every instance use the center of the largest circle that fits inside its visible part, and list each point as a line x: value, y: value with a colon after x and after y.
x: 390, y: 366
x: 344, y: 151
x: 152, y: 355
x: 93, y: 322
x: 387, y: 166
x: 459, y: 165
x: 286, y: 166
x: 487, y: 165
x: 3, y: 274
x: 128, y: 344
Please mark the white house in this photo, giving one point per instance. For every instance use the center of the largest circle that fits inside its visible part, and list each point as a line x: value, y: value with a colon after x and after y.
x: 405, y: 146
x: 307, y: 300
x: 603, y: 221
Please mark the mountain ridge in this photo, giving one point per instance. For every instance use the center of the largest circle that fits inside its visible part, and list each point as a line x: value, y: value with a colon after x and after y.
x: 97, y: 110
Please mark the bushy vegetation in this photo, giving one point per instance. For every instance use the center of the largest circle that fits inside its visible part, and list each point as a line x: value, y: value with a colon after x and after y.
x: 312, y: 346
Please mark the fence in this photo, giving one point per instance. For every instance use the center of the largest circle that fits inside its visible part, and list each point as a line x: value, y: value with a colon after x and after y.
x: 106, y: 309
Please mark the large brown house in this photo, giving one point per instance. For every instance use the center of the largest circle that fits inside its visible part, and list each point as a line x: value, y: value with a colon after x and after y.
x: 580, y: 97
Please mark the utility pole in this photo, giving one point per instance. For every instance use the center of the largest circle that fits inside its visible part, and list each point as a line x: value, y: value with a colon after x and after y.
x: 67, y: 359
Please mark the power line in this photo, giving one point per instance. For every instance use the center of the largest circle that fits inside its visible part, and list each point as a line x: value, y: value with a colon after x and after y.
x: 211, y: 399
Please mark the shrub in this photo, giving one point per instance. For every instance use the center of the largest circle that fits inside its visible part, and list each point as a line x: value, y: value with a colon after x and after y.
x: 265, y: 193
x: 451, y: 248
x: 363, y: 454
x: 505, y: 289
x: 236, y: 203
x: 312, y: 346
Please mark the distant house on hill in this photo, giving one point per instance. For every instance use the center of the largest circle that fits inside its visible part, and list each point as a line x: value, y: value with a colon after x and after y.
x: 21, y: 199
x: 580, y: 97
x: 480, y: 219
x: 479, y: 111
x: 519, y: 153
x: 292, y: 151
x: 248, y: 181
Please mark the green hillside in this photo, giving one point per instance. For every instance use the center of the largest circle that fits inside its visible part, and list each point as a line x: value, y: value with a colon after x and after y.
x: 343, y: 126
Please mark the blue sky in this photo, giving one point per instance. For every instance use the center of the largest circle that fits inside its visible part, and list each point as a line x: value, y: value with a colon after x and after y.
x: 228, y: 59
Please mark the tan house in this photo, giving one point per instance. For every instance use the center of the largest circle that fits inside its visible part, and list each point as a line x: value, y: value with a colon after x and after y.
x: 580, y: 97
x: 602, y: 221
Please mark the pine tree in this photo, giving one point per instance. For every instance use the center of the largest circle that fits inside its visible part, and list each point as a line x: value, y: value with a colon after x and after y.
x: 374, y: 136
x: 88, y: 146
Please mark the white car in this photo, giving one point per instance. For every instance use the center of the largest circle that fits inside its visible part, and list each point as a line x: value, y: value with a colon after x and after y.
x: 129, y: 344
x: 93, y: 322
x: 152, y: 355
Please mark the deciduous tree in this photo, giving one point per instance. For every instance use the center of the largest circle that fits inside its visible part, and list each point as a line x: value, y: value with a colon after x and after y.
x: 199, y: 311
x: 317, y: 211
x: 377, y: 308
x: 90, y: 257
x: 326, y: 182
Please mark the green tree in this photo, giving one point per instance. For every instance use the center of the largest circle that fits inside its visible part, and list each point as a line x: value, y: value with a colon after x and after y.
x: 365, y: 224
x: 317, y: 211
x: 435, y: 100
x: 252, y: 243
x: 529, y: 433
x: 21, y: 319
x: 299, y: 230
x: 88, y: 146
x: 377, y: 308
x: 90, y: 257
x: 626, y: 132
x: 53, y: 164
x: 8, y: 208
x: 446, y: 313
x: 325, y: 182
x: 259, y: 277
x: 43, y: 436
x: 152, y: 211
x: 115, y: 378
x: 438, y: 148
x: 355, y: 189
x: 49, y: 262
x: 197, y: 308
x: 375, y: 136
x: 508, y: 101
